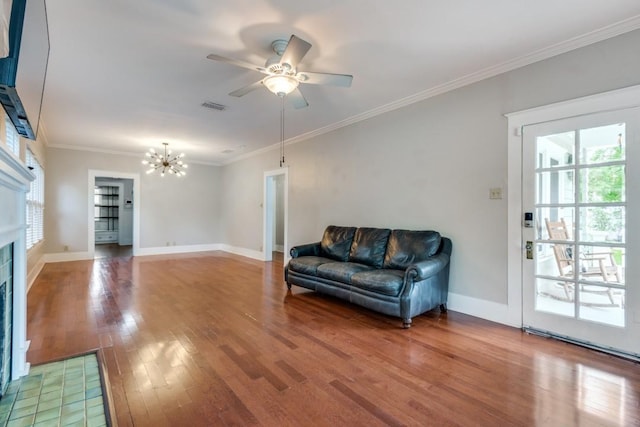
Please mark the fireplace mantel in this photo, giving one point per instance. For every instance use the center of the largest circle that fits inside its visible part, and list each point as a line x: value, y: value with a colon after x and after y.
x: 15, y: 178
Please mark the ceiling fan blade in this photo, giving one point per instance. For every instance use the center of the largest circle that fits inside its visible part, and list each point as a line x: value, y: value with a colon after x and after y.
x: 296, y: 49
x: 297, y: 99
x: 237, y: 63
x: 245, y: 90
x: 343, y: 80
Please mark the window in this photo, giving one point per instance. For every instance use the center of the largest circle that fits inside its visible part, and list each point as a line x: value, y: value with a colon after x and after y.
x: 35, y: 202
x: 11, y: 136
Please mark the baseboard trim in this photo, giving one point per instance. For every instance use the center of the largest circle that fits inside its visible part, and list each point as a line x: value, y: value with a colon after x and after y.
x: 249, y: 253
x: 35, y: 271
x: 483, y: 309
x: 160, y: 250
x: 165, y: 250
x: 67, y: 256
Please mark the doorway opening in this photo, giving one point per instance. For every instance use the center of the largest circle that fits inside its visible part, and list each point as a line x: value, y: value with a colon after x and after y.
x: 113, y: 214
x: 275, y: 212
x: 113, y: 217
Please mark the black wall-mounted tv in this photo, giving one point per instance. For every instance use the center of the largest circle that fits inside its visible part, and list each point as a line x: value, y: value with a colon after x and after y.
x: 23, y: 71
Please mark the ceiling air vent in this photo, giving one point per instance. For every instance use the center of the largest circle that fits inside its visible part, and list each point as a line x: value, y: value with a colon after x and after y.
x: 214, y: 106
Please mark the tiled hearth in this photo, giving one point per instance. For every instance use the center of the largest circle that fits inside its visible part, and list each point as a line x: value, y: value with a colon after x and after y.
x: 6, y: 314
x: 64, y: 393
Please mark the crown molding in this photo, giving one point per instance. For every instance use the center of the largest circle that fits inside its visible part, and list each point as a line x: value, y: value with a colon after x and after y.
x: 42, y: 134
x: 118, y: 153
x: 257, y: 152
x: 601, y: 34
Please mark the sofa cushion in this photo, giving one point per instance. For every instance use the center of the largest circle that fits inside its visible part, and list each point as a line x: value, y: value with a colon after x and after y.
x: 340, y: 271
x: 336, y: 242
x: 408, y: 247
x: 369, y: 246
x: 307, y: 264
x: 386, y: 282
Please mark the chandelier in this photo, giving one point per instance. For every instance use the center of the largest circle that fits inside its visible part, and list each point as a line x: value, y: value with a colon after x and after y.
x: 167, y: 162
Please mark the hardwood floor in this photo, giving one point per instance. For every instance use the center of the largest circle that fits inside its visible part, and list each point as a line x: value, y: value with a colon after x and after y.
x: 112, y: 250
x: 216, y: 339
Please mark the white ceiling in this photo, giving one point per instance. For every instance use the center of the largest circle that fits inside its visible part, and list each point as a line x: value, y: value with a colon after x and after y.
x: 127, y: 75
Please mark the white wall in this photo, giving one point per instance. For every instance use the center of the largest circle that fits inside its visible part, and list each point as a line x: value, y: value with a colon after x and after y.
x: 184, y: 211
x: 426, y: 166
x: 241, y: 213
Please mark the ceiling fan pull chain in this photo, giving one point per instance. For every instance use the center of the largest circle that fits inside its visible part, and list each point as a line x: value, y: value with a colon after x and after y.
x: 282, y: 133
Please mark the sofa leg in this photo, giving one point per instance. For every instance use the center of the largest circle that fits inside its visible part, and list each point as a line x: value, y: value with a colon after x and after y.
x: 443, y: 308
x: 288, y: 285
x: 406, y: 323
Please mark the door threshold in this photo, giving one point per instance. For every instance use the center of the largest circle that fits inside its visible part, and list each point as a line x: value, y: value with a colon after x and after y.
x: 608, y: 350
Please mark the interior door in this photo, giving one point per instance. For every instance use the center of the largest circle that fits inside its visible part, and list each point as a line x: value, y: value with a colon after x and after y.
x: 581, y: 184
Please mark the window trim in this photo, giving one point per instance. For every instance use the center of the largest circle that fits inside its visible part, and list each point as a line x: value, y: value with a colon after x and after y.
x: 35, y: 202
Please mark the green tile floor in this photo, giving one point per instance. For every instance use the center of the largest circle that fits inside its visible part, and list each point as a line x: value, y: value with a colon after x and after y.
x: 65, y: 393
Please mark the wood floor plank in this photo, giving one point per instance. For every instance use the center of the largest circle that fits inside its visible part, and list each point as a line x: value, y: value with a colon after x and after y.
x: 217, y: 339
x: 369, y: 406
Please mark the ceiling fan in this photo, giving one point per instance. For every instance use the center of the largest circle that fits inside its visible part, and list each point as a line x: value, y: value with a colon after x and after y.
x: 282, y: 72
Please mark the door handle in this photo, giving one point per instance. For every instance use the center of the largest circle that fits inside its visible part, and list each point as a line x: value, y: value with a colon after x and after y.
x: 529, y: 248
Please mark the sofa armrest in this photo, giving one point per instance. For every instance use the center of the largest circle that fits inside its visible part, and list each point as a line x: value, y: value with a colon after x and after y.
x: 427, y: 268
x: 311, y: 249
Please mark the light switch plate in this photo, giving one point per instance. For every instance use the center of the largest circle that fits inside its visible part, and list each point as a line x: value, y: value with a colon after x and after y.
x: 495, y: 193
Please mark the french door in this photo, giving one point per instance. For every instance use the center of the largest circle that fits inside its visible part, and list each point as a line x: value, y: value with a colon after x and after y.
x: 581, y: 198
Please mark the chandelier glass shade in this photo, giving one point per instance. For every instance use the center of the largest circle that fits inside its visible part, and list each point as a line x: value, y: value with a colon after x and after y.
x: 280, y: 84
x: 165, y: 163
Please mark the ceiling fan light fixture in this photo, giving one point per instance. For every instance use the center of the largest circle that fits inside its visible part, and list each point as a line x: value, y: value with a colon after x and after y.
x: 281, y: 85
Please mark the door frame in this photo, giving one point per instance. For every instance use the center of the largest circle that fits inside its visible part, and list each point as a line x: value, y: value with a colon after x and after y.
x: 91, y: 236
x: 268, y: 211
x: 628, y: 97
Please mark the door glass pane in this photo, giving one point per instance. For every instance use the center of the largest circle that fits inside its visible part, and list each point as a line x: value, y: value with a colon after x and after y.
x: 602, y: 224
x: 602, y: 264
x: 553, y: 218
x: 555, y: 150
x: 555, y: 297
x: 601, y: 304
x: 546, y: 263
x: 602, y: 184
x: 555, y: 187
x: 555, y: 260
x: 602, y: 144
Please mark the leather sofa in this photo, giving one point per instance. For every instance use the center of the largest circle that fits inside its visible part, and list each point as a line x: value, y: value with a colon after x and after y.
x: 396, y: 272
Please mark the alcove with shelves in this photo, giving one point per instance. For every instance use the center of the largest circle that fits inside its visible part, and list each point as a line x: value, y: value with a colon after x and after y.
x: 106, y: 213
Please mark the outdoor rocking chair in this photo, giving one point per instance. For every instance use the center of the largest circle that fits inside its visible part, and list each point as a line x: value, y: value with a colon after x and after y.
x: 599, y: 264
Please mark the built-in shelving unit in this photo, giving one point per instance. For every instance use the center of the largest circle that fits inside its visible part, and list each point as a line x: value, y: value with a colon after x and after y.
x: 106, y: 206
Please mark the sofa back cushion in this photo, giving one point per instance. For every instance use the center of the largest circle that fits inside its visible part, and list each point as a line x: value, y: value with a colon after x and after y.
x: 408, y: 247
x: 369, y: 246
x: 336, y: 242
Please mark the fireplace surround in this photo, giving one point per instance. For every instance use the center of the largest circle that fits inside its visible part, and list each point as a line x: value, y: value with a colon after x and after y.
x: 15, y: 178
